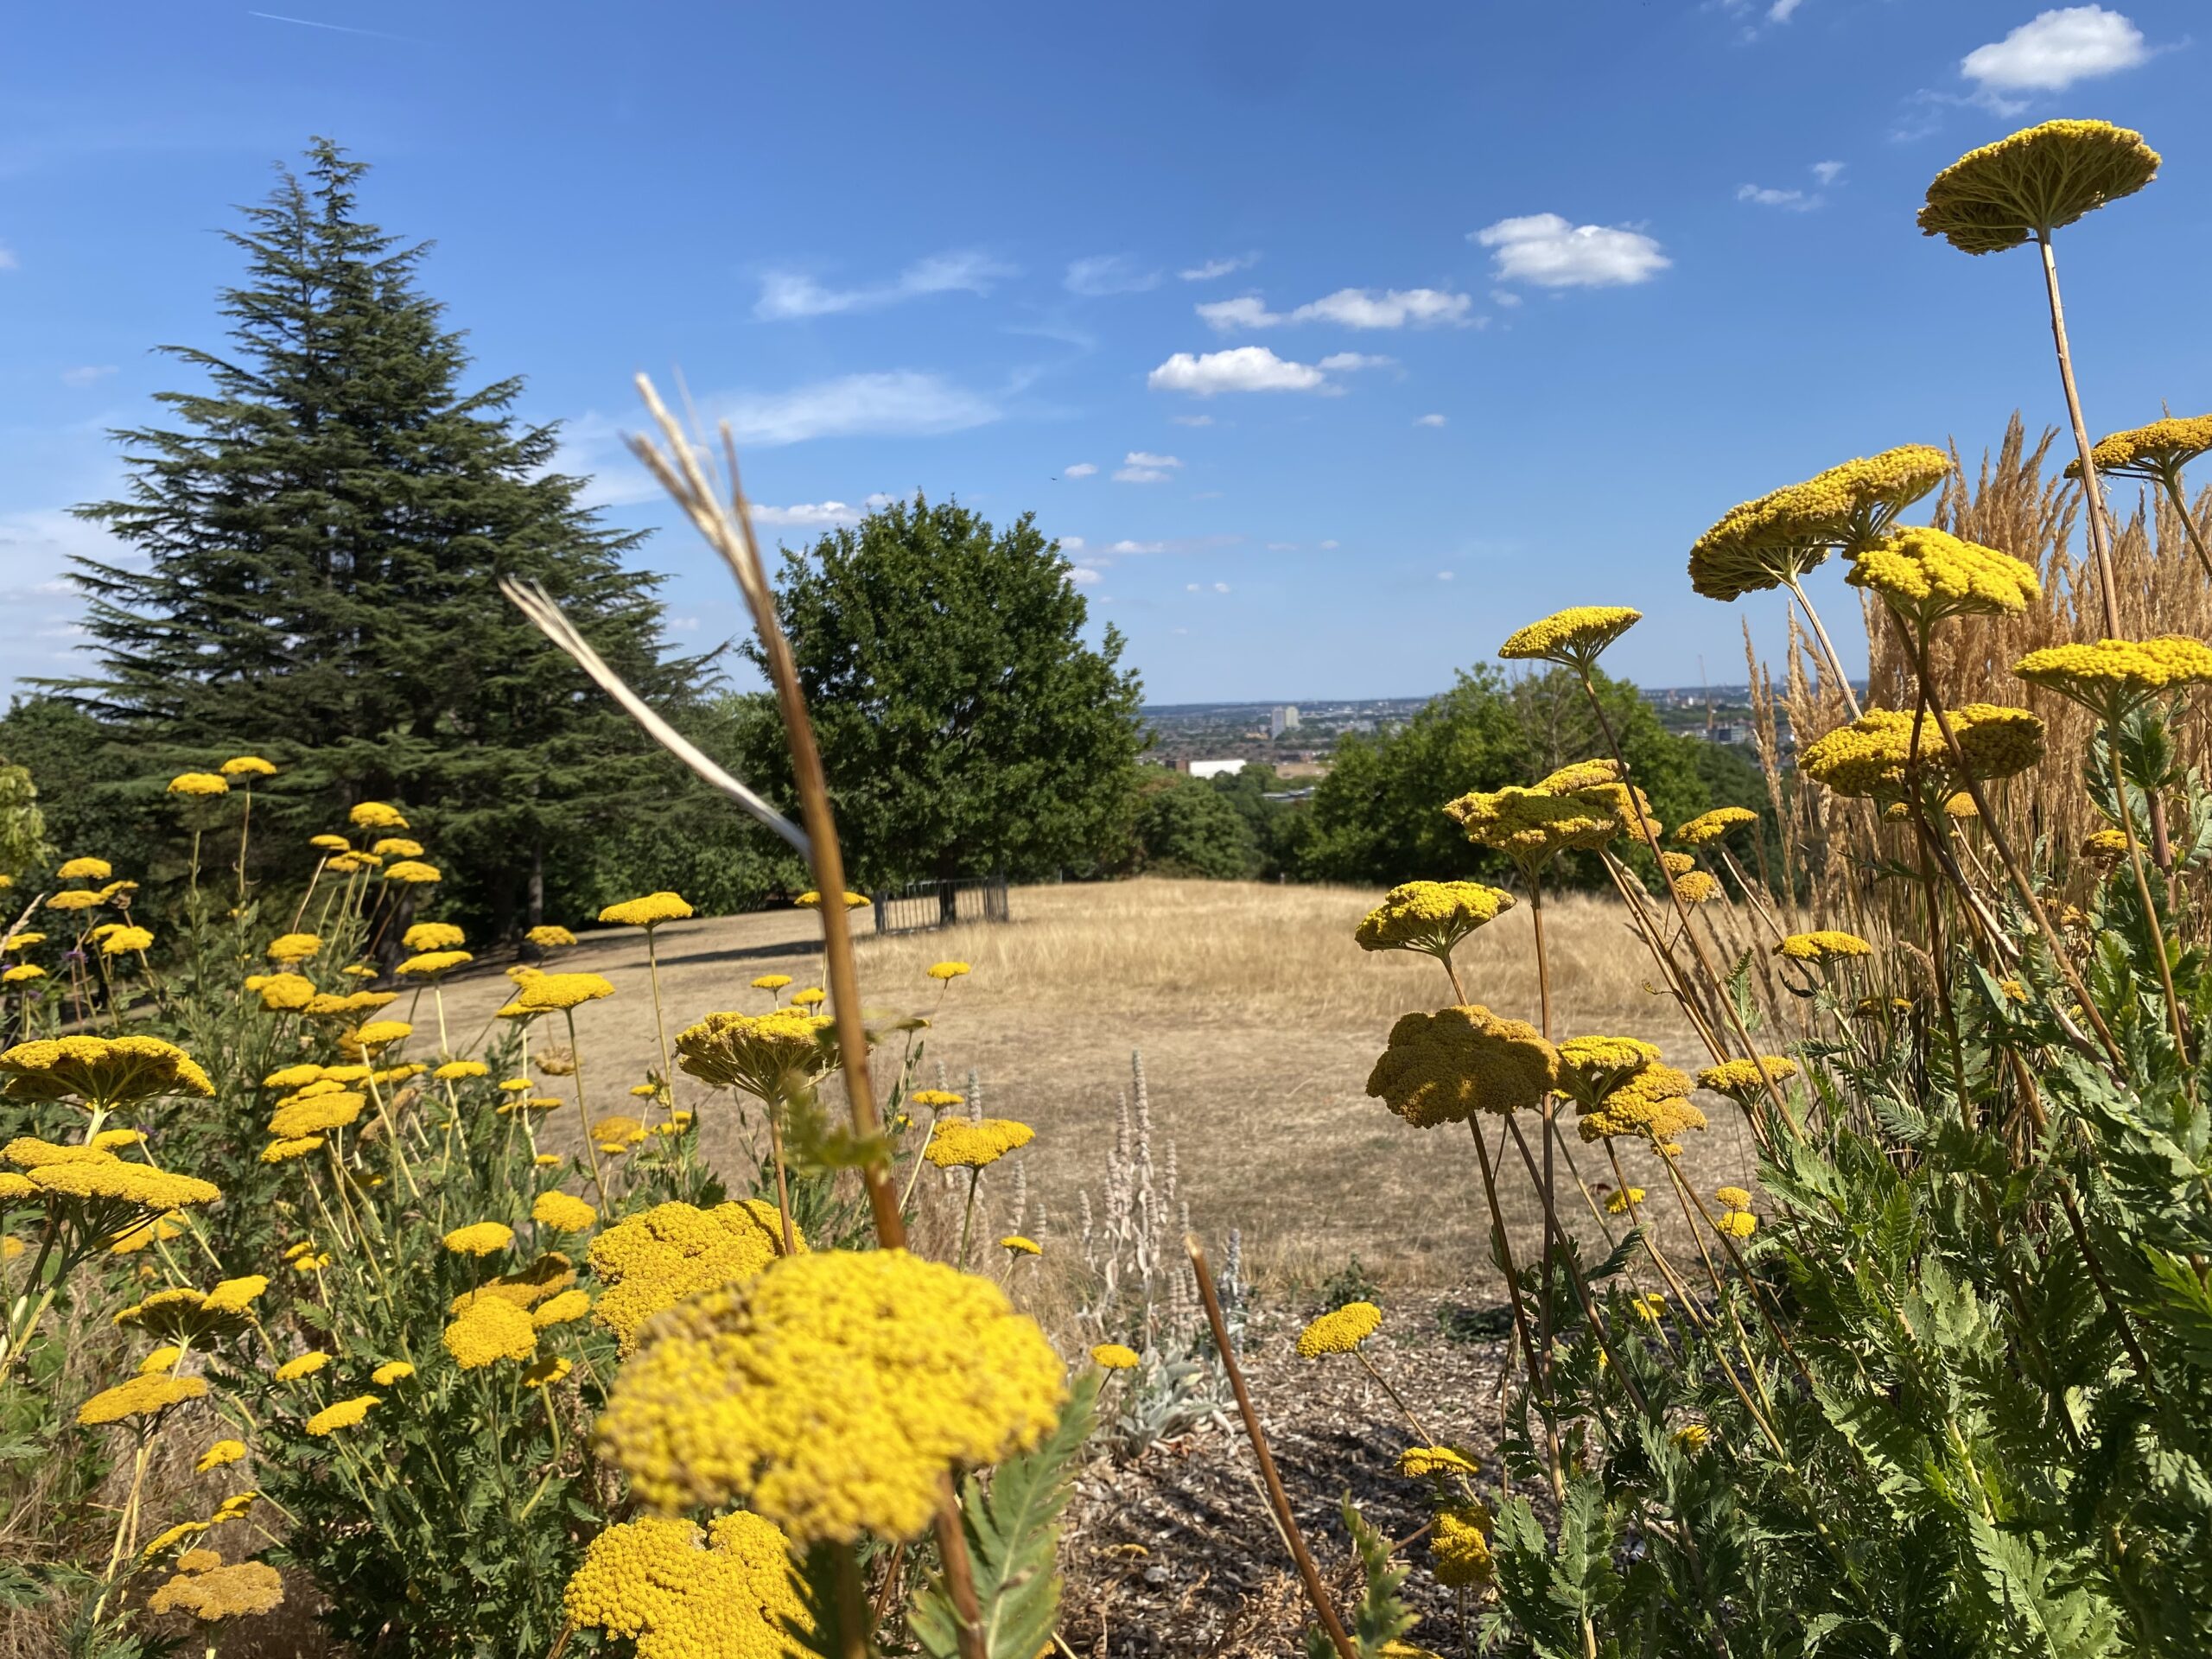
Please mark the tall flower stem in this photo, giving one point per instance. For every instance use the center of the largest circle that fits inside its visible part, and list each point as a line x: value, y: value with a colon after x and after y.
x: 1309, y: 1575
x: 1545, y: 1185
x: 1520, y: 1313
x: 1828, y: 645
x: 2092, y: 490
x: 2152, y: 923
x: 583, y: 1117
x: 2170, y: 477
x: 660, y: 1029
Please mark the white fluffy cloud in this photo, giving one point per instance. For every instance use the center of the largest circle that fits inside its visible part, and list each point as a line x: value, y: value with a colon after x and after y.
x: 1081, y: 469
x: 1191, y: 420
x: 1796, y: 201
x: 1140, y: 467
x: 90, y: 374
x: 901, y: 404
x: 1347, y: 361
x: 1348, y: 308
x: 1429, y: 420
x: 1212, y: 268
x: 2053, y: 49
x: 791, y: 293
x: 1546, y: 249
x: 1107, y: 273
x: 1242, y: 368
x: 1828, y: 172
x: 809, y: 515
x: 1137, y: 547
x: 8, y: 260
x: 1083, y: 576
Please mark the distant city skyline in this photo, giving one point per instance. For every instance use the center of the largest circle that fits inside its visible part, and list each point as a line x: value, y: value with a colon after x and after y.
x: 1331, y: 348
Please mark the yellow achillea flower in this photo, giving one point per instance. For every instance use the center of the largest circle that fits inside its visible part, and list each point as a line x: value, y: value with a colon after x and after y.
x: 546, y: 1160
x: 2100, y: 844
x: 978, y: 1143
x: 565, y: 1309
x: 1697, y: 888
x: 479, y: 1238
x: 547, y: 937
x: 183, y: 1314
x: 1620, y: 1203
x: 1015, y: 1244
x: 526, y: 1287
x: 235, y: 1507
x: 1823, y: 945
x: 772, y: 982
x: 1869, y: 757
x: 1692, y: 1437
x: 1736, y: 1224
x: 2115, y: 677
x: 168, y: 1537
x: 1651, y: 1104
x: 413, y: 873
x: 489, y: 1330
x: 650, y: 1582
x: 1114, y: 1356
x: 2155, y: 452
x: 200, y: 784
x: 1339, y: 1330
x: 1443, y: 1067
x: 397, y: 847
x: 617, y: 1133
x: 161, y: 1362
x: 1572, y: 638
x: 434, y: 964
x: 72, y: 899
x: 293, y: 1076
x: 773, y: 1056
x: 289, y: 949
x: 142, y: 1396
x: 944, y: 971
x: 309, y: 1115
x: 1925, y: 575
x: 1530, y: 826
x: 330, y: 843
x: 123, y: 940
x: 285, y: 993
x: 376, y: 815
x: 1590, y: 1068
x: 545, y: 1371
x: 1460, y: 1547
x: 1773, y: 541
x: 1649, y: 1307
x: 562, y: 1213
x: 931, y: 1370
x: 813, y: 900
x: 2029, y: 185
x: 379, y: 1033
x: 354, y: 863
x: 346, y: 1414
x: 1430, y: 917
x: 655, y: 1259
x: 1709, y: 827
x: 22, y: 973
x: 1733, y: 1197
x: 22, y: 941
x: 433, y: 936
x: 457, y: 1070
x: 391, y: 1371
x: 84, y: 869
x: 246, y: 766
x: 219, y: 1455
x: 550, y: 992
x: 109, y: 1180
x: 1416, y: 1461
x: 305, y: 1364
x: 109, y: 1071
x: 648, y: 912
x: 242, y: 1591
x: 1740, y: 1079
x: 812, y: 997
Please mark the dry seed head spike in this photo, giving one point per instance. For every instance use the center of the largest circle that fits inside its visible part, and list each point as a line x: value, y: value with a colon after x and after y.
x: 539, y: 606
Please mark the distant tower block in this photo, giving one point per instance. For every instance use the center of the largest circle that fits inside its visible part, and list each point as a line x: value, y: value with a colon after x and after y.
x: 1282, y: 720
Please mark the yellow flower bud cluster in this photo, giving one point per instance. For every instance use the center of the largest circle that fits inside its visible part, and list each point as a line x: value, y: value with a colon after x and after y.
x: 835, y: 1392
x: 1741, y: 1079
x: 551, y: 993
x: 770, y: 1056
x: 2113, y: 676
x: 433, y: 936
x: 1443, y: 1067
x: 142, y: 1396
x: 489, y: 1330
x: 976, y: 1143
x: 180, y: 1313
x: 1822, y: 945
x: 211, y: 1591
x: 2157, y: 451
x: 1776, y: 538
x: 562, y: 1212
x: 1868, y: 757
x: 1460, y: 1547
x: 108, y: 1072
x: 676, y: 1595
x: 1430, y: 916
x: 2033, y: 182
x: 1649, y: 1103
x: 105, y: 1187
x: 1924, y: 574
x: 1572, y: 638
x: 346, y: 1414
x: 1532, y: 826
x: 655, y: 1259
x: 1339, y: 1330
x: 1709, y: 827
x: 648, y: 912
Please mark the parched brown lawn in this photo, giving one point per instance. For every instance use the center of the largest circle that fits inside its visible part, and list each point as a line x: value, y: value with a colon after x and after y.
x: 1257, y: 1017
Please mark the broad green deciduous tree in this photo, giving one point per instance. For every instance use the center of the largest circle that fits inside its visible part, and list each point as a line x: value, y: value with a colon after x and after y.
x: 965, y: 723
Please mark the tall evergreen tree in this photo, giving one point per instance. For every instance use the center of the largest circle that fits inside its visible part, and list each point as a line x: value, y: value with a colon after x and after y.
x: 323, y: 528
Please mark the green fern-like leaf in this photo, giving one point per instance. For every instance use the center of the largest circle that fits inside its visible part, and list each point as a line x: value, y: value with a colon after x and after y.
x: 1381, y: 1615
x: 1012, y: 1542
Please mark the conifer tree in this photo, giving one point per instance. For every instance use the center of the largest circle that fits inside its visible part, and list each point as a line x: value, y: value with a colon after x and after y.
x: 320, y: 531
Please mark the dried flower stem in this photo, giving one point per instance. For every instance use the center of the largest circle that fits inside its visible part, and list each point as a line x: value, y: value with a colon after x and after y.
x: 1307, y: 1573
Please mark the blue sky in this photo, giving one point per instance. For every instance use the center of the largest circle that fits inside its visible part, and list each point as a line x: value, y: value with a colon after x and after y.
x: 1344, y: 339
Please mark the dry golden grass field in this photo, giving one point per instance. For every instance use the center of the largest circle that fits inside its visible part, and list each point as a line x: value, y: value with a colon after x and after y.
x: 1257, y: 1017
